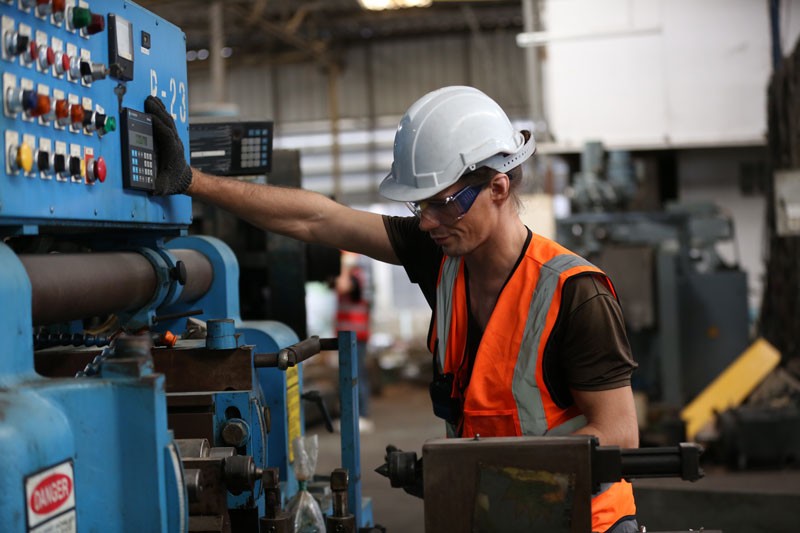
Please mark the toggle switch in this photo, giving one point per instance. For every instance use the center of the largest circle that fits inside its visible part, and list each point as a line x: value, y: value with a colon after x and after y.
x: 93, y: 71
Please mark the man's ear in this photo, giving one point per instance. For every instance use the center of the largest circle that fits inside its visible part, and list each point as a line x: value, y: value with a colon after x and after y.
x: 500, y: 186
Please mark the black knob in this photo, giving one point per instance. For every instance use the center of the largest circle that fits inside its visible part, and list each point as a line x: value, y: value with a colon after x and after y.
x: 21, y: 45
x: 74, y: 166
x: 88, y: 118
x: 178, y: 273
x: 60, y: 163
x: 86, y: 68
x: 99, y: 120
x: 43, y: 161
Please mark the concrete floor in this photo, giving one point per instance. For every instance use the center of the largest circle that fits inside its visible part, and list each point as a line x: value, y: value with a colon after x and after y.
x: 744, y: 502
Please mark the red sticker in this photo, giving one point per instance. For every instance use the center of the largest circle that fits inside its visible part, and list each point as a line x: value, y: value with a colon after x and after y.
x: 50, y: 494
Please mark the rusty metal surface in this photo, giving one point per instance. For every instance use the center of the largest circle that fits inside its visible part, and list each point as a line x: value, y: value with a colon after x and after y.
x: 210, y: 513
x: 56, y: 363
x: 508, y: 484
x: 201, y: 369
x: 74, y: 286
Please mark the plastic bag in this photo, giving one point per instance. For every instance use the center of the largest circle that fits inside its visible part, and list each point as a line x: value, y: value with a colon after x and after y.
x: 303, y: 508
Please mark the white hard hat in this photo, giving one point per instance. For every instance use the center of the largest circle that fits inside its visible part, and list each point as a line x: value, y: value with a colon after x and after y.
x: 446, y: 133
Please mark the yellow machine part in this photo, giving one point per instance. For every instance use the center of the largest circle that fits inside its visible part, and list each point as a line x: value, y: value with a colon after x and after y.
x: 732, y: 386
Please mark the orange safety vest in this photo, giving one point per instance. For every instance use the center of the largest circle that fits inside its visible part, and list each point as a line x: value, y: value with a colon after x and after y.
x: 353, y: 315
x: 507, y: 396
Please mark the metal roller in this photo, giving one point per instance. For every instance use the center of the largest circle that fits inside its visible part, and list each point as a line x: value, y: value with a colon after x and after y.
x: 74, y: 286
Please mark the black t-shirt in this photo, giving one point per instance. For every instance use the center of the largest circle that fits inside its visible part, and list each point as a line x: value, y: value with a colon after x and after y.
x: 588, y: 349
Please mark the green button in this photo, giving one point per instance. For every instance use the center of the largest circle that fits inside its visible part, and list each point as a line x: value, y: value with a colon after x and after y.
x: 110, y: 125
x: 81, y: 17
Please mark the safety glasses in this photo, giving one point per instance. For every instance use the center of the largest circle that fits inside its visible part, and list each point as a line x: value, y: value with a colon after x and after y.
x: 447, y: 210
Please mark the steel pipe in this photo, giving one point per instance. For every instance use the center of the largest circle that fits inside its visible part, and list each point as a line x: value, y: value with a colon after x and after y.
x: 74, y: 286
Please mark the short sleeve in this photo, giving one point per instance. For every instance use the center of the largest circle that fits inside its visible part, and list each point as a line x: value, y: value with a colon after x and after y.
x: 589, y: 348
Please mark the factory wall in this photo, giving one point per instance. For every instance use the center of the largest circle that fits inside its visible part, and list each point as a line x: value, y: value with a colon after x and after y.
x: 661, y: 73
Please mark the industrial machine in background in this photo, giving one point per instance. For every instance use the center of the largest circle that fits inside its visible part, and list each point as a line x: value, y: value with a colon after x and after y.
x: 132, y: 395
x: 685, y: 308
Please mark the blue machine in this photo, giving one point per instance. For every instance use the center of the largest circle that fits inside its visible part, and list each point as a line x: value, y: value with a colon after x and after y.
x: 96, y: 274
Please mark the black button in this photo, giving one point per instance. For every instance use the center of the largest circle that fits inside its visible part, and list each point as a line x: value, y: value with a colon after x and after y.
x: 145, y: 40
x: 60, y: 163
x: 43, y: 161
x: 75, y: 166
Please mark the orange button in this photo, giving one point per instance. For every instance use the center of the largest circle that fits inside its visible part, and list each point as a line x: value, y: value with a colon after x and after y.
x: 42, y: 106
x: 62, y: 109
x: 76, y: 114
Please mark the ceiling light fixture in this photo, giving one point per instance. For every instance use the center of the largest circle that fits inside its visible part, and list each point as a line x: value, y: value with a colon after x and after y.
x: 380, y: 5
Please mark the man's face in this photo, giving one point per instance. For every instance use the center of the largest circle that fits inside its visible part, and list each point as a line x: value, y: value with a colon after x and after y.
x: 454, y: 218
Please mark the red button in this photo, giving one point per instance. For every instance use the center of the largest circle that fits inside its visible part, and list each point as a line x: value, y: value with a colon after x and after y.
x: 51, y: 56
x: 100, y: 169
x: 59, y: 6
x: 34, y: 51
x: 65, y: 62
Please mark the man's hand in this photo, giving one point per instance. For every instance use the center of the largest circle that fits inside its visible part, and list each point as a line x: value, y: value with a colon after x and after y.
x: 173, y: 174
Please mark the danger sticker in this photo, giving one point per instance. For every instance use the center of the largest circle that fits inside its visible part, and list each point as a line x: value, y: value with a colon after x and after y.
x: 49, y: 494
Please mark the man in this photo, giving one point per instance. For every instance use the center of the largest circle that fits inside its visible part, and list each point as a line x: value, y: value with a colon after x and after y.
x: 528, y: 338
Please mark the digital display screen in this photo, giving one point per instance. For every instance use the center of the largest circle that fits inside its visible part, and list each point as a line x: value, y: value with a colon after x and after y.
x: 124, y: 39
x: 145, y: 141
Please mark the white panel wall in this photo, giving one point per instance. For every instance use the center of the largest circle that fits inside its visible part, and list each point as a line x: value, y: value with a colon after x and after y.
x: 677, y: 72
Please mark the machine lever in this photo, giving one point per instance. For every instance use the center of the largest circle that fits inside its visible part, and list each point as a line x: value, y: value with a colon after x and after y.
x: 295, y: 354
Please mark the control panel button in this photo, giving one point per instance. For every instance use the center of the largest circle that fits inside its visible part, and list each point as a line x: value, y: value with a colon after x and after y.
x: 62, y: 63
x: 96, y: 24
x: 59, y: 163
x: 59, y: 6
x: 96, y: 169
x: 44, y: 162
x: 78, y: 17
x: 31, y: 54
x: 42, y: 106
x: 75, y: 166
x: 15, y: 43
x: 76, y: 113
x: 43, y: 7
x: 21, y: 157
x: 47, y: 57
x: 62, y: 112
x: 74, y: 68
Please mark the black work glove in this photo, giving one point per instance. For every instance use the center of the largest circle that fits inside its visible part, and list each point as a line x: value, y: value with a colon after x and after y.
x: 173, y: 174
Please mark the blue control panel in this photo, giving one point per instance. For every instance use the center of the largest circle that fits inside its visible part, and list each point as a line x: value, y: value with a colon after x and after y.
x: 70, y: 70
